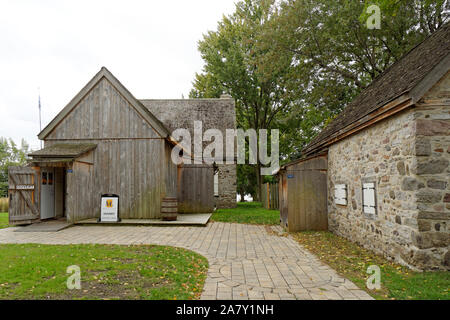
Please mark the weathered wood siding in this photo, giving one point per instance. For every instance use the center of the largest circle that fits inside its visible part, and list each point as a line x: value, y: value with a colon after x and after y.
x: 307, y: 195
x: 59, y: 192
x: 195, y: 189
x: 103, y: 114
x: 128, y: 168
x: 269, y: 196
x: 283, y: 203
x: 24, y: 205
x: 171, y: 172
x: 130, y: 159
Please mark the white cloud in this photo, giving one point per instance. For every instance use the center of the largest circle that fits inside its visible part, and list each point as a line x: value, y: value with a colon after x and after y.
x: 57, y: 46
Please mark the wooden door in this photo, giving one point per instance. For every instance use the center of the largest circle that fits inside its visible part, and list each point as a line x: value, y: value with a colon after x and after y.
x: 47, y: 193
x: 23, y: 195
x: 196, y: 189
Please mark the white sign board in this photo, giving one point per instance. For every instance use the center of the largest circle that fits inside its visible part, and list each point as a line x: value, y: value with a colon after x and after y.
x: 369, y: 205
x: 340, y: 194
x: 110, y: 209
x: 24, y: 187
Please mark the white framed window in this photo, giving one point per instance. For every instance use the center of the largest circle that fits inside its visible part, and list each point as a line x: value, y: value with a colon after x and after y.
x: 216, y: 184
x: 340, y: 194
x: 369, y: 198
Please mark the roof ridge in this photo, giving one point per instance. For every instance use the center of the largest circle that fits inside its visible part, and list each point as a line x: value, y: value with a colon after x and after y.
x: 154, y: 122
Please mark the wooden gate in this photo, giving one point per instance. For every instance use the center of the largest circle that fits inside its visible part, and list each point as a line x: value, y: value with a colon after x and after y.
x: 195, y: 189
x: 305, y: 183
x: 23, y: 195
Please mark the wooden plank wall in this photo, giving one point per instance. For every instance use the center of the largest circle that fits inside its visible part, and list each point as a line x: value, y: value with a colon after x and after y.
x: 307, y: 195
x: 59, y: 192
x: 195, y: 189
x: 269, y: 194
x: 130, y: 159
x: 103, y: 114
x: 282, y: 196
x: 171, y: 172
x: 128, y: 168
x: 24, y: 205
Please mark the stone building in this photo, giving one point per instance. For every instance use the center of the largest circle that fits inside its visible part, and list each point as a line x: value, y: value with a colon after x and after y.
x: 214, y: 114
x: 388, y: 156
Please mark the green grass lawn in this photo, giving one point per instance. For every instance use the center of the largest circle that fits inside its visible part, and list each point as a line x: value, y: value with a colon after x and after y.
x: 32, y: 271
x: 247, y: 212
x: 352, y: 261
x: 4, y: 222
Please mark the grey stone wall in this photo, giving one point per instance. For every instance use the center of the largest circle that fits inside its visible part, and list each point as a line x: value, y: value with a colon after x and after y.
x: 432, y: 150
x: 214, y: 114
x: 382, y: 154
x: 407, y: 156
x: 227, y: 186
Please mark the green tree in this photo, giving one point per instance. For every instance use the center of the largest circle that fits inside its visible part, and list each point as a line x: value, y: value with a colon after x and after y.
x: 239, y: 62
x: 246, y: 181
x: 335, y: 55
x: 10, y: 155
x: 293, y: 65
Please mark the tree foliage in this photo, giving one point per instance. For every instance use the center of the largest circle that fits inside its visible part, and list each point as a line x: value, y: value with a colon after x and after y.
x: 336, y: 55
x: 236, y: 62
x: 294, y: 64
x: 10, y: 155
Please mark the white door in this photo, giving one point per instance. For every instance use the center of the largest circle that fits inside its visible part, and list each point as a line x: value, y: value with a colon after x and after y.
x: 47, y: 193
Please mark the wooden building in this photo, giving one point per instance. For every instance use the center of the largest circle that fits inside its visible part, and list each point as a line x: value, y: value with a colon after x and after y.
x: 379, y: 173
x: 105, y: 141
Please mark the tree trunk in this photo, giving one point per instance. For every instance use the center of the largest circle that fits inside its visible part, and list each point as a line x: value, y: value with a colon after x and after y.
x: 258, y: 182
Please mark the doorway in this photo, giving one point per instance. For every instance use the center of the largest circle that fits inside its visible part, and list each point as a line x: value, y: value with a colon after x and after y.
x: 47, y: 193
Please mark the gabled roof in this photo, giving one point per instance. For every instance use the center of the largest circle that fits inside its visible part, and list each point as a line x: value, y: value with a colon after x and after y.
x: 64, y: 150
x: 105, y: 73
x: 405, y: 82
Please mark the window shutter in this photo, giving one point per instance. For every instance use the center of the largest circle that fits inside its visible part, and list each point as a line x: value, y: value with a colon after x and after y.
x: 369, y: 203
x: 340, y: 194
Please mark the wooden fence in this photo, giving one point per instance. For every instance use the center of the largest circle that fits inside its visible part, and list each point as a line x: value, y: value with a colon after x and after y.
x: 269, y: 195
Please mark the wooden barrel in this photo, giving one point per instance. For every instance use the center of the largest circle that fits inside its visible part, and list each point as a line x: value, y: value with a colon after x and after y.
x: 169, y: 209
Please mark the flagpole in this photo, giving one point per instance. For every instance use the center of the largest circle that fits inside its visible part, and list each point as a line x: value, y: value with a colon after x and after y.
x: 40, y: 123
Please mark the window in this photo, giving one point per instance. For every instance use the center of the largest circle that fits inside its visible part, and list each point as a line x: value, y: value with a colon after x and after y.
x: 340, y: 194
x: 44, y: 177
x: 369, y: 199
x: 216, y: 184
x: 50, y: 178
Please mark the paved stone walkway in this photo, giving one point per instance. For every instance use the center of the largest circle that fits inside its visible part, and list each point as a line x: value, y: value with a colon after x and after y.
x: 246, y: 261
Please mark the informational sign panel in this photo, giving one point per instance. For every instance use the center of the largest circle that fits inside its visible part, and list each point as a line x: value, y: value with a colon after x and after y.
x: 110, y: 208
x: 23, y: 187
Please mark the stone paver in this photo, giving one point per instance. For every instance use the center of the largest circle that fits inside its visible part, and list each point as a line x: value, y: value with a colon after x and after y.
x: 246, y: 261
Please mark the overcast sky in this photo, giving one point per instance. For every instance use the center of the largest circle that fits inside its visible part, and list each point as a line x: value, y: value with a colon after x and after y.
x: 58, y: 46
